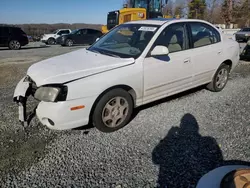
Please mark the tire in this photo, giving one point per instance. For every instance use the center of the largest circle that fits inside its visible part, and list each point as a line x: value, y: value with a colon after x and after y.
x: 108, y: 115
x: 51, y: 41
x: 14, y: 45
x: 220, y: 78
x: 69, y: 42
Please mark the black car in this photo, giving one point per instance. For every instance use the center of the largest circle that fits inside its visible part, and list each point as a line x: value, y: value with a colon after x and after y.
x: 243, y: 35
x: 245, y: 55
x: 79, y: 36
x: 12, y: 37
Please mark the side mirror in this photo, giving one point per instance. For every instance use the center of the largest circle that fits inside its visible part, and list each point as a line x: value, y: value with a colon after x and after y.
x: 159, y: 50
x: 97, y: 39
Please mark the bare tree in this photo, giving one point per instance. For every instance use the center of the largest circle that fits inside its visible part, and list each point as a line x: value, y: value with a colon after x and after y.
x: 169, y: 9
x: 227, y: 12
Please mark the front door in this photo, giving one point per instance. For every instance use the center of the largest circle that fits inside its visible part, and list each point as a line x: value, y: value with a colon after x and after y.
x: 79, y: 37
x: 172, y: 73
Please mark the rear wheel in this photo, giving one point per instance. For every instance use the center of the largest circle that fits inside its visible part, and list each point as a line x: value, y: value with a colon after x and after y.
x: 220, y: 78
x: 51, y: 41
x: 113, y: 111
x: 14, y: 45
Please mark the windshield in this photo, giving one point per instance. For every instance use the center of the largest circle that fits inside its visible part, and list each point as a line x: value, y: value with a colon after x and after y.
x: 140, y: 4
x: 55, y: 31
x: 245, y: 29
x: 153, y: 5
x: 125, y: 41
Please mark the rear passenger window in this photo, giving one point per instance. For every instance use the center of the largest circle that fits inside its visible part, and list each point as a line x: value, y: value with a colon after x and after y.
x: 203, y: 34
x: 90, y: 31
x: 246, y: 29
x: 173, y: 37
x: 16, y: 30
x: 64, y: 32
x: 4, y: 31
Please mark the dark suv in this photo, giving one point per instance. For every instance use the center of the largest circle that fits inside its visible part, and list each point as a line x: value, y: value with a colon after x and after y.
x: 79, y: 36
x: 12, y: 37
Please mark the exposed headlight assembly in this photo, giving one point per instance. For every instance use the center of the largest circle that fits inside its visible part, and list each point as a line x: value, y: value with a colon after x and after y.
x: 51, y: 94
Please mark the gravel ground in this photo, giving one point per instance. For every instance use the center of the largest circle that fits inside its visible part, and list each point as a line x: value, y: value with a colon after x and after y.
x: 172, y: 141
x: 33, y: 52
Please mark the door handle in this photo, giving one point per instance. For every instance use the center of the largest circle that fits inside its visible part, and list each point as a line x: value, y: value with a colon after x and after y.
x: 187, y: 61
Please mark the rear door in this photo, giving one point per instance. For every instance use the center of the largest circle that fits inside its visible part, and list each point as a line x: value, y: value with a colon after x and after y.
x: 62, y: 32
x: 206, y: 51
x: 89, y: 36
x: 93, y: 35
x: 4, y: 36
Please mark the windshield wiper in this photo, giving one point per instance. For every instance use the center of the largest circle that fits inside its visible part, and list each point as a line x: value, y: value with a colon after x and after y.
x: 95, y: 51
x: 105, y: 53
x: 110, y: 54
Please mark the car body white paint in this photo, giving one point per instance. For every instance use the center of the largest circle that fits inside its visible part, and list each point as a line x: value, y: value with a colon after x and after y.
x: 149, y: 78
x: 45, y: 37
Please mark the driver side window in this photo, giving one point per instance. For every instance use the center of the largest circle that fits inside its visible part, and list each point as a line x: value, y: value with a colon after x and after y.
x: 84, y: 31
x: 173, y: 37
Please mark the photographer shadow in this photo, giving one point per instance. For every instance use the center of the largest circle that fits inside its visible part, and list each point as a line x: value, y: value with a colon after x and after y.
x: 184, y: 156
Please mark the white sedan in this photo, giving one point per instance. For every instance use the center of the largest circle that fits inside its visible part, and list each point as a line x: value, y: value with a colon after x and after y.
x: 134, y: 64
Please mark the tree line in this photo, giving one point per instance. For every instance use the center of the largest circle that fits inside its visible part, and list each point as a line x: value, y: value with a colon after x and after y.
x: 214, y: 11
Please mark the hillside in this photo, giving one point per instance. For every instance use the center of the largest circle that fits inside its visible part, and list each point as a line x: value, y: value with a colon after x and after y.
x: 40, y: 29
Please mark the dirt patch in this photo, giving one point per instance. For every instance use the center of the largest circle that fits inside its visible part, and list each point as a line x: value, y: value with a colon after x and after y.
x: 21, y: 149
x: 19, y: 60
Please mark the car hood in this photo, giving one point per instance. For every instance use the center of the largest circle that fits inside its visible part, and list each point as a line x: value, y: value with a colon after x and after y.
x: 74, y: 65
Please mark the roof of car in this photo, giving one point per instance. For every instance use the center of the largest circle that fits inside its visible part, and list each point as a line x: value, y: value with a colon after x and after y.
x: 161, y: 21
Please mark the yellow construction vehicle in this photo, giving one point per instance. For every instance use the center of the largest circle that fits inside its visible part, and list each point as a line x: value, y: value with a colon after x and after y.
x: 140, y: 10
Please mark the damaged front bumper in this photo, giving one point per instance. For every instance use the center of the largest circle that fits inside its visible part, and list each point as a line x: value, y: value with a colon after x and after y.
x: 22, y: 91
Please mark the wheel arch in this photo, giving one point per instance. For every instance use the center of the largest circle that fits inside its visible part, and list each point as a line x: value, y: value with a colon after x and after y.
x: 228, y: 62
x: 69, y: 38
x: 127, y: 88
x: 51, y: 38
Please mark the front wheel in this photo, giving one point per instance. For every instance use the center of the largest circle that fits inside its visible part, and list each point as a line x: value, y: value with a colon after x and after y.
x: 220, y: 78
x: 69, y: 42
x: 113, y: 111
